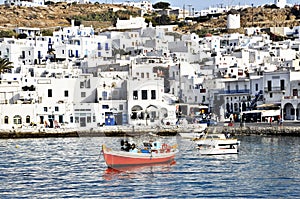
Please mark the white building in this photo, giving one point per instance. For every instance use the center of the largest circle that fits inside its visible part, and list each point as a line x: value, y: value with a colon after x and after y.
x: 132, y: 23
x: 147, y: 104
x: 280, y: 3
x: 233, y: 19
x: 145, y: 6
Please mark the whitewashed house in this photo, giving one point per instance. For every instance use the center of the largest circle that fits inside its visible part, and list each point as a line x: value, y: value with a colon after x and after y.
x: 237, y: 97
x: 146, y: 102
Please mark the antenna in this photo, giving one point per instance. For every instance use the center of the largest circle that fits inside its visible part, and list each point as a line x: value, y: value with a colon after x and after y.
x: 190, y: 9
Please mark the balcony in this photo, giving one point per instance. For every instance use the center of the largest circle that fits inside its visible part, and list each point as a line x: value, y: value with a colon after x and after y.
x: 274, y: 90
x: 245, y: 91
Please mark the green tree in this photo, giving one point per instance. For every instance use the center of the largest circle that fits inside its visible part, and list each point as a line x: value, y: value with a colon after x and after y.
x: 7, y: 33
x: 5, y: 65
x: 161, y: 5
x: 162, y: 20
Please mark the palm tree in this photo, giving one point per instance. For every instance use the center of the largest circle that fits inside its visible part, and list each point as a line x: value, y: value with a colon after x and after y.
x: 5, y: 65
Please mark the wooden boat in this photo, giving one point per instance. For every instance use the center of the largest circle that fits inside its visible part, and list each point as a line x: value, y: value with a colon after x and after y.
x: 217, y: 144
x: 116, y: 159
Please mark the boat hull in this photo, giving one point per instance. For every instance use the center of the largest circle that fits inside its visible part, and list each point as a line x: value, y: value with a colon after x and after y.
x: 218, y: 151
x: 115, y: 159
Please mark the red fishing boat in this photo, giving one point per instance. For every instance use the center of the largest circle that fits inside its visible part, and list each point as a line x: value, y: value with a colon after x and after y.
x: 115, y: 159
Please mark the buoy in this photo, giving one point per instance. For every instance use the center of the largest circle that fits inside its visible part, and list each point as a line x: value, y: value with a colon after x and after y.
x: 17, y: 146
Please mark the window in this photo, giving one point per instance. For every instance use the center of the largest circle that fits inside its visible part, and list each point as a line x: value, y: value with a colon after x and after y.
x: 81, y: 84
x: 104, y: 95
x: 17, y: 119
x: 82, y: 94
x: 66, y: 93
x: 49, y: 92
x: 61, y: 119
x: 282, y: 84
x: 121, y: 107
x: 27, y: 119
x: 6, y: 120
x: 142, y: 75
x: 269, y: 85
x: 88, y: 83
x: 153, y: 94
x: 56, y: 108
x: 106, y: 46
x: 71, y: 119
x: 271, y: 95
x: 295, y: 92
x: 135, y: 95
x: 45, y: 109
x: 105, y: 107
x: 89, y: 119
x: 256, y: 87
x: 144, y: 94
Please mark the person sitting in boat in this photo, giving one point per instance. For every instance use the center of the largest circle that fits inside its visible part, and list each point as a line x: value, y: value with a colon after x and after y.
x: 133, y: 149
x: 127, y: 146
x: 122, y: 145
x: 156, y: 146
x: 228, y: 135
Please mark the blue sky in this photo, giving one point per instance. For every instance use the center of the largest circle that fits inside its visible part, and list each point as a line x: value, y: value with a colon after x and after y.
x: 201, y: 4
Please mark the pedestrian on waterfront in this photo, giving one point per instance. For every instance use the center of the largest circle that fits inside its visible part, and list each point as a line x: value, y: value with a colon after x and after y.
x: 279, y: 120
x: 271, y: 119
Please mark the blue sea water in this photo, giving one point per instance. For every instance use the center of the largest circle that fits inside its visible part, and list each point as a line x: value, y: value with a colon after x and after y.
x: 266, y: 167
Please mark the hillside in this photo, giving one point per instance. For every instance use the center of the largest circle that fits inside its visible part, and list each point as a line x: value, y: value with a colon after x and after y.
x: 102, y: 16
x: 257, y: 17
x: 60, y: 14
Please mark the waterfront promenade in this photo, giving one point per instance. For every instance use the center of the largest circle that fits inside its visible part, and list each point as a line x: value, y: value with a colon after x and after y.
x: 287, y: 129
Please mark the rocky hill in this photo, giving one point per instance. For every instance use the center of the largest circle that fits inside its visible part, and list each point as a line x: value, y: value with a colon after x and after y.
x: 60, y: 14
x: 258, y: 17
x: 102, y: 16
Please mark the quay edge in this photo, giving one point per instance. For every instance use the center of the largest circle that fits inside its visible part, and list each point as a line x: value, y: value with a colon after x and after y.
x: 263, y: 131
x: 127, y: 131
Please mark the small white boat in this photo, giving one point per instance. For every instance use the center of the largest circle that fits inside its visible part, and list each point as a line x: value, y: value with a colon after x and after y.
x: 217, y: 144
x: 192, y: 135
x: 197, y: 132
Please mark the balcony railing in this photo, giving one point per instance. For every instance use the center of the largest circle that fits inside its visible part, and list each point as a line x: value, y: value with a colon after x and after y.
x: 274, y: 89
x: 246, y: 91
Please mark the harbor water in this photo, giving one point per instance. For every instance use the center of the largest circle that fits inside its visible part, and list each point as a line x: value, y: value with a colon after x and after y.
x: 266, y: 167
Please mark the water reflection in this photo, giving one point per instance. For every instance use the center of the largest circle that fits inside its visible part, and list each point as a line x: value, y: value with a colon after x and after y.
x: 136, y: 171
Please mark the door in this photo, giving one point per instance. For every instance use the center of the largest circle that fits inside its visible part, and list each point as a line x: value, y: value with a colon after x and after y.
x: 82, y: 121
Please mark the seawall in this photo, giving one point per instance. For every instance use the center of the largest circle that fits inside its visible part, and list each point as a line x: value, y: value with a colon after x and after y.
x: 276, y: 130
x: 130, y: 131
